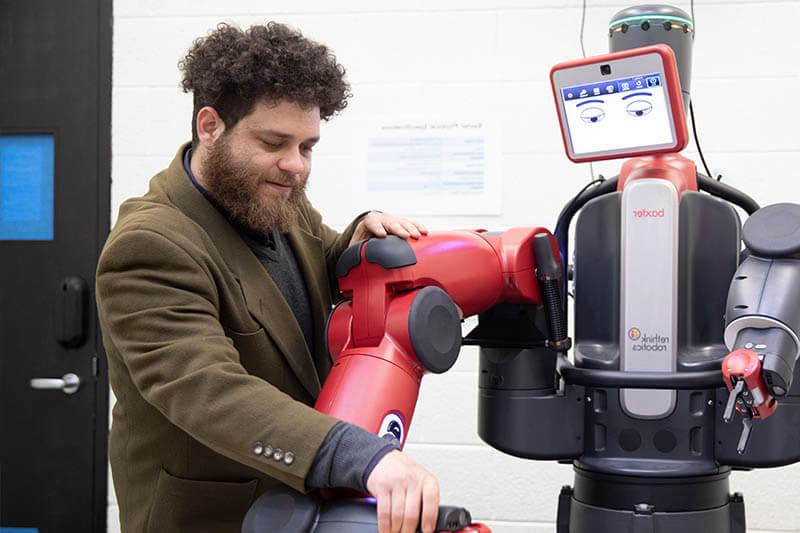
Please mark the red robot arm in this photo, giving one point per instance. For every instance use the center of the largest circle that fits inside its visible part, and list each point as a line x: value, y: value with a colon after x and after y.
x: 402, y: 316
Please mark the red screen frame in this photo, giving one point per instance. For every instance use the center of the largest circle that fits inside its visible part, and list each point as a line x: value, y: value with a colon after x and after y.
x: 674, y: 94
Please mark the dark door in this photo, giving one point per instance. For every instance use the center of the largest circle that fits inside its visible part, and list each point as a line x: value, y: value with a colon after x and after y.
x: 55, y: 99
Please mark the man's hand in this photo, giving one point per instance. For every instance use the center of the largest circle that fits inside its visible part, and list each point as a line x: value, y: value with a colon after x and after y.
x: 403, y: 490
x: 377, y: 224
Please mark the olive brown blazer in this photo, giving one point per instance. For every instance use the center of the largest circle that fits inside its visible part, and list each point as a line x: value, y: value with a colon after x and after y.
x: 213, y: 379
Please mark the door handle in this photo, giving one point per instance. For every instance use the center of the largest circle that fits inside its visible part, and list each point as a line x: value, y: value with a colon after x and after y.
x: 68, y: 383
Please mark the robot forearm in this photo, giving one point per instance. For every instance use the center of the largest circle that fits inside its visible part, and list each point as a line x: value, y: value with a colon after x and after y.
x: 402, y: 320
x: 763, y: 317
x: 763, y: 311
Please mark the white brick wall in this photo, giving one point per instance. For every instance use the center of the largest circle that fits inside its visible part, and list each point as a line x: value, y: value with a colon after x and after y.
x: 490, y: 58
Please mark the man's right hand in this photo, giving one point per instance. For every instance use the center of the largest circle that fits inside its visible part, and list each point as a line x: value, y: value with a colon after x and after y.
x: 404, y: 491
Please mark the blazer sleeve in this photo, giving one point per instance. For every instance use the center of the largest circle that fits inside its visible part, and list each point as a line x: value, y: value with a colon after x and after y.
x: 158, y: 306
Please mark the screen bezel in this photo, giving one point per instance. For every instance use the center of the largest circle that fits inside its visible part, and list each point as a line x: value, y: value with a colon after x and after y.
x: 651, y: 59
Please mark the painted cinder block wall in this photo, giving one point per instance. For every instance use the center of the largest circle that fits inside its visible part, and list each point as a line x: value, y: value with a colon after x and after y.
x: 490, y: 59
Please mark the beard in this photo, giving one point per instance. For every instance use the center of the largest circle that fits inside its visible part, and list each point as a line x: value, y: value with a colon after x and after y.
x: 235, y: 186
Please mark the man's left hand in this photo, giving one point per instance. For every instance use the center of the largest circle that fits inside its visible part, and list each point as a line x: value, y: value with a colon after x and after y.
x: 377, y: 224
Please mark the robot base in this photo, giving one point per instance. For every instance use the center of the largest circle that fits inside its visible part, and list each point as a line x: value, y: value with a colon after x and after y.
x: 602, y: 503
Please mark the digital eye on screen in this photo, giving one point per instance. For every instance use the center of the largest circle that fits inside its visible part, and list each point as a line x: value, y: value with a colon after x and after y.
x: 592, y: 114
x: 639, y: 107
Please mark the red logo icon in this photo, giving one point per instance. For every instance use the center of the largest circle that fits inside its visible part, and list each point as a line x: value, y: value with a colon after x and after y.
x: 634, y: 334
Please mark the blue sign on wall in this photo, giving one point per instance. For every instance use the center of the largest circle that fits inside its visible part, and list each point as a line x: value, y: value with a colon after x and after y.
x: 26, y: 187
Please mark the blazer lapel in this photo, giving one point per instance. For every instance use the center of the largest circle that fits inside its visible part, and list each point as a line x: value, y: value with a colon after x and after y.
x: 263, y: 298
x: 268, y: 306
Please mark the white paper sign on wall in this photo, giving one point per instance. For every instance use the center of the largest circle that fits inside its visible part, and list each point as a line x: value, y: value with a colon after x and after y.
x: 430, y: 167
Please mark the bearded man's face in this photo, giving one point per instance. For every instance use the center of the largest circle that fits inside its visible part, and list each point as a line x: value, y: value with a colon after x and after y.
x: 258, y: 170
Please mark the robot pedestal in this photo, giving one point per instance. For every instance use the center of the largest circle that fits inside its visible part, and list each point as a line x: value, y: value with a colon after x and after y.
x: 627, y: 504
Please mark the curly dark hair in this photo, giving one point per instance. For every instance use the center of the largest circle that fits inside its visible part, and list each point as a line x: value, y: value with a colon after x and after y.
x: 231, y: 69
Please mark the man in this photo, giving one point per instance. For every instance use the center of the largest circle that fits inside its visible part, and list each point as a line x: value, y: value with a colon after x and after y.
x: 213, y: 290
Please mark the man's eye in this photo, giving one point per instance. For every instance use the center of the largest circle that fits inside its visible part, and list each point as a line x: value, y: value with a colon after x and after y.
x: 307, y: 149
x: 272, y: 146
x: 639, y: 108
x: 592, y: 114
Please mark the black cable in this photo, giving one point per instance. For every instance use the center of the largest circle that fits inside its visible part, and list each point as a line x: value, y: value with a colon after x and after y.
x: 691, y: 110
x: 697, y: 142
x: 568, y: 207
x: 561, y: 233
x: 727, y: 193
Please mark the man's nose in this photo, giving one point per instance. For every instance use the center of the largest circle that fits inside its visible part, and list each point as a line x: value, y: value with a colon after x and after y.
x: 292, y: 163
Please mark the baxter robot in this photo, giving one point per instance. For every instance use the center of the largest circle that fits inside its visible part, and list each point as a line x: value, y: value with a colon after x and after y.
x: 686, y: 323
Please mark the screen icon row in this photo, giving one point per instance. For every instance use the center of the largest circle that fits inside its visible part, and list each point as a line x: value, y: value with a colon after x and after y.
x: 610, y: 87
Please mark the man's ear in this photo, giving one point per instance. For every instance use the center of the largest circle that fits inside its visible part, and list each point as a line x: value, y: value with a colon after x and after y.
x: 210, y: 125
